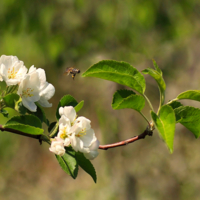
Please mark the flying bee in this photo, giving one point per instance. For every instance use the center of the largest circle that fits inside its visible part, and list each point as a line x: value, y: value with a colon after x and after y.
x: 73, y: 71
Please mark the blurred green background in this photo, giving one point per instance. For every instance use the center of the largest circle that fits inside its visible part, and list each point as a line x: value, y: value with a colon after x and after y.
x: 58, y: 34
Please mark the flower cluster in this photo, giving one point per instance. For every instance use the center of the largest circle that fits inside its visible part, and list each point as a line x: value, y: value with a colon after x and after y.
x: 76, y: 132
x: 33, y: 86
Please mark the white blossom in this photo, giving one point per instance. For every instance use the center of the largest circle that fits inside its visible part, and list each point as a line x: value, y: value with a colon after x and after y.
x: 46, y: 90
x: 29, y: 91
x: 77, y: 132
x: 64, y: 130
x: 69, y: 112
x: 92, y: 150
x: 12, y: 70
x: 34, y: 88
x: 57, y: 146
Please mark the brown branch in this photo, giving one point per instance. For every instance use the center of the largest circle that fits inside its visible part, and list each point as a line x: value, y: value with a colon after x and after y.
x: 38, y: 137
x: 125, y: 142
x: 103, y: 147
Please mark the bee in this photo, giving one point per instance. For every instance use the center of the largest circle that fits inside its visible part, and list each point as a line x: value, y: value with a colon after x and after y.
x: 73, y: 71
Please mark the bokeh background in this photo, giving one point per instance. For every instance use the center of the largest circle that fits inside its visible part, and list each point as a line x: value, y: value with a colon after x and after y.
x: 56, y: 34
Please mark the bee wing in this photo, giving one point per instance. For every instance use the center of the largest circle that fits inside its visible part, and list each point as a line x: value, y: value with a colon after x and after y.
x: 68, y: 70
x: 66, y: 73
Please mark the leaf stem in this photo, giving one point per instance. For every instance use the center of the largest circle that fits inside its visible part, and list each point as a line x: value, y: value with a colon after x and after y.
x: 148, y: 102
x: 145, y: 117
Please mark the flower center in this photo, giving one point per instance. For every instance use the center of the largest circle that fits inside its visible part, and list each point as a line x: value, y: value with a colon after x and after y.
x: 63, y: 135
x: 12, y: 73
x: 81, y: 133
x: 28, y: 92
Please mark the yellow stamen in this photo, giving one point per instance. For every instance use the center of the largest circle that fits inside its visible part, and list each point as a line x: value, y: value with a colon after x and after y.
x: 81, y: 133
x: 12, y: 73
x: 27, y: 92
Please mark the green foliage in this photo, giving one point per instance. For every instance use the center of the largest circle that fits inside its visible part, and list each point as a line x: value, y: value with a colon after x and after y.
x: 53, y: 129
x: 190, y: 94
x: 119, y: 72
x: 190, y: 118
x: 4, y: 113
x: 79, y: 106
x: 11, y: 99
x: 19, y: 107
x: 40, y: 114
x: 156, y: 67
x: 67, y: 100
x: 157, y: 75
x: 86, y: 165
x: 127, y: 99
x: 165, y: 124
x: 69, y: 163
x: 26, y: 124
x: 175, y: 104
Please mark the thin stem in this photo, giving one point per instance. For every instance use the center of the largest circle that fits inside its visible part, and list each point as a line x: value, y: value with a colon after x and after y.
x: 45, y: 138
x: 148, y: 101
x: 172, y: 101
x: 38, y: 137
x: 144, y: 117
x: 125, y: 142
x: 54, y: 130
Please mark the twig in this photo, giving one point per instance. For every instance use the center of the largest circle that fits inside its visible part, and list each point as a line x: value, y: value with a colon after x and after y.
x: 125, y: 142
x: 38, y: 137
x: 103, y: 147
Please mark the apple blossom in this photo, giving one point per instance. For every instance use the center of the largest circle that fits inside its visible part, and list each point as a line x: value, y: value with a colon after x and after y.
x: 12, y: 70
x: 64, y: 130
x: 34, y: 88
x: 46, y: 90
x: 57, y: 146
x: 29, y: 91
x: 82, y: 137
x: 69, y: 112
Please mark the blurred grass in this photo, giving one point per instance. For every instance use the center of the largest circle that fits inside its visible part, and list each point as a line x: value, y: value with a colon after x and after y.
x: 57, y: 34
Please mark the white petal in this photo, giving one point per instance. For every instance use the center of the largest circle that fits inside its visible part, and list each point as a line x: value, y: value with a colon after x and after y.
x: 64, y: 121
x: 83, y: 122
x: 42, y: 77
x: 44, y: 103
x: 91, y: 155
x: 95, y: 145
x: 88, y: 138
x: 48, y: 91
x: 29, y: 105
x: 67, y: 142
x: 61, y: 111
x: 70, y: 113
x: 32, y: 69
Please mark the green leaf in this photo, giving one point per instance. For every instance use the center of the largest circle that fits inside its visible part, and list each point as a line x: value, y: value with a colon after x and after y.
x: 119, y: 72
x: 86, y: 165
x: 127, y: 99
x: 68, y: 162
x: 175, y: 104
x: 156, y: 67
x: 11, y: 99
x: 19, y: 107
x: 165, y: 124
x: 53, y: 129
x: 40, y: 114
x: 190, y: 118
x: 160, y: 81
x: 4, y: 113
x: 25, y: 123
x: 67, y: 100
x: 190, y: 94
x: 79, y: 106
